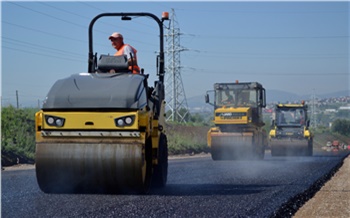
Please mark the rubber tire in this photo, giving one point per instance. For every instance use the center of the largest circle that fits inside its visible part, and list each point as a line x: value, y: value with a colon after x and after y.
x: 160, y: 171
x: 148, y: 155
x: 310, y: 148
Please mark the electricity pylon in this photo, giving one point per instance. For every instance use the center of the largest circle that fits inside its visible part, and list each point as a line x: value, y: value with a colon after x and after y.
x: 175, y: 93
x: 313, y: 110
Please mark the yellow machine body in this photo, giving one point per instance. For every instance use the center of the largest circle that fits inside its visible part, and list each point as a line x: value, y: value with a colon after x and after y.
x: 103, y: 131
x: 238, y: 132
x: 91, y: 154
x: 290, y: 134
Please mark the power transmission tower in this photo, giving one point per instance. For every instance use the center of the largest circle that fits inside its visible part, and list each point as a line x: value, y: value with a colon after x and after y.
x: 175, y: 93
x: 17, y: 99
x: 313, y: 110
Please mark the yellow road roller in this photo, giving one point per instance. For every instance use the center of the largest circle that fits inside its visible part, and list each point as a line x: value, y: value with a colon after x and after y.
x: 238, y: 132
x: 103, y: 131
x: 290, y: 134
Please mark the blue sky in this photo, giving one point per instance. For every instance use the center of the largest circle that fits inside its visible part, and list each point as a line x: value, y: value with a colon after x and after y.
x: 299, y: 47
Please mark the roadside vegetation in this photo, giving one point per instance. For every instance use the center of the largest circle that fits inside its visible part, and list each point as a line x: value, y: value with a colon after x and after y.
x: 18, y: 134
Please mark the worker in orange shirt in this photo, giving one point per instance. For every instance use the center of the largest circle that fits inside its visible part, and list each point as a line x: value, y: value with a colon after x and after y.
x: 117, y: 41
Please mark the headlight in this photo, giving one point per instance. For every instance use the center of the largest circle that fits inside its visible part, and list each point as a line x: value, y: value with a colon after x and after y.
x: 54, y: 121
x: 128, y: 120
x: 120, y: 122
x: 124, y: 121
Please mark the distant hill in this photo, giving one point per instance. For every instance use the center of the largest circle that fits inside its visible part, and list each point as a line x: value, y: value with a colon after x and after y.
x: 197, y: 103
x: 334, y: 94
x: 282, y: 96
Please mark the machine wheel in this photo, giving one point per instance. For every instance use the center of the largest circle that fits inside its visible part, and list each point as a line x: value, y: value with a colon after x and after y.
x: 147, y: 183
x: 215, y: 154
x: 310, y: 148
x: 160, y: 173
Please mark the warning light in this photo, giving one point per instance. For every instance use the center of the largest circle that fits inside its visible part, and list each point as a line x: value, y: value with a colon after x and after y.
x: 165, y: 15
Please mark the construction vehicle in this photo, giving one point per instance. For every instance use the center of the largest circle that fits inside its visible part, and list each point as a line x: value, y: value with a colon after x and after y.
x: 290, y: 134
x: 103, y: 132
x: 238, y: 132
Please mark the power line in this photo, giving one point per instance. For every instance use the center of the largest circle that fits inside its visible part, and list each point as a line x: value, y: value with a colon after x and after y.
x: 37, y: 46
x: 263, y: 53
x: 41, y: 54
x: 284, y: 74
x: 68, y: 12
x: 60, y: 19
x: 142, y: 23
x: 91, y: 6
x: 271, y: 37
x: 268, y: 56
x: 48, y: 15
x: 211, y: 11
x: 44, y: 32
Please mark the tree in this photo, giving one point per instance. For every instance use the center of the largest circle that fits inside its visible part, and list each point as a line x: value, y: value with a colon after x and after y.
x: 342, y: 127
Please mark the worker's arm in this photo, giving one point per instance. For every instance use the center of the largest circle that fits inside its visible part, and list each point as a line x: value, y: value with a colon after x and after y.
x: 132, y: 61
x: 130, y: 55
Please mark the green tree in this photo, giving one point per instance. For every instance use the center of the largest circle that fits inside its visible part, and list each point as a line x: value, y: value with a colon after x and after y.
x: 196, y: 118
x: 342, y: 127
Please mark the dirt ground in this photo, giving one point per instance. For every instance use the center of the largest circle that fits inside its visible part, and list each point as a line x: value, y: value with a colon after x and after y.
x: 19, y: 167
x: 333, y: 200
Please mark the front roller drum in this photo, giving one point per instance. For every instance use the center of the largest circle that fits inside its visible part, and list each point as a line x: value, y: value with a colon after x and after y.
x: 235, y: 146
x: 92, y: 167
x: 291, y: 147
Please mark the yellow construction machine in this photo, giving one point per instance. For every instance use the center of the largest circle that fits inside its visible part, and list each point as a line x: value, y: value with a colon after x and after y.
x: 290, y: 134
x: 238, y: 132
x: 103, y: 132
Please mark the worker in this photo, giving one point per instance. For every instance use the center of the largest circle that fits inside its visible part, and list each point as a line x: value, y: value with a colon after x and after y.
x: 117, y: 41
x: 301, y: 117
x: 229, y: 98
x: 282, y: 119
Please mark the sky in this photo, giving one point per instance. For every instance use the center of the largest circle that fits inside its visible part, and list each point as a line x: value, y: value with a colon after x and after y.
x: 298, y: 47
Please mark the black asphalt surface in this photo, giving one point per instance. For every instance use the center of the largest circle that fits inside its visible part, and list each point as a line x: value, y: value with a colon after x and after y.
x: 197, y: 187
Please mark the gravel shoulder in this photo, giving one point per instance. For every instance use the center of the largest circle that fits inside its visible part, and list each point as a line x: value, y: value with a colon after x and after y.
x: 333, y: 199
x: 19, y: 167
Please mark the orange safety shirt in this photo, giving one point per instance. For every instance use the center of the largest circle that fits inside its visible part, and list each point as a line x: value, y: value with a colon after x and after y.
x: 135, y: 69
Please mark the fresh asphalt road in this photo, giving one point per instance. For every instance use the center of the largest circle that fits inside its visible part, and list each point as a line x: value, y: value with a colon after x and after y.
x: 197, y: 187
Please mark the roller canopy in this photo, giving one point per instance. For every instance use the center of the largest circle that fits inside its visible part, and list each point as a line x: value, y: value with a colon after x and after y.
x: 90, y: 90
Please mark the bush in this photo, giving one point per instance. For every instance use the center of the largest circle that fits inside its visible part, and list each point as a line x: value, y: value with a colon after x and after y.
x: 186, y: 139
x: 18, y: 133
